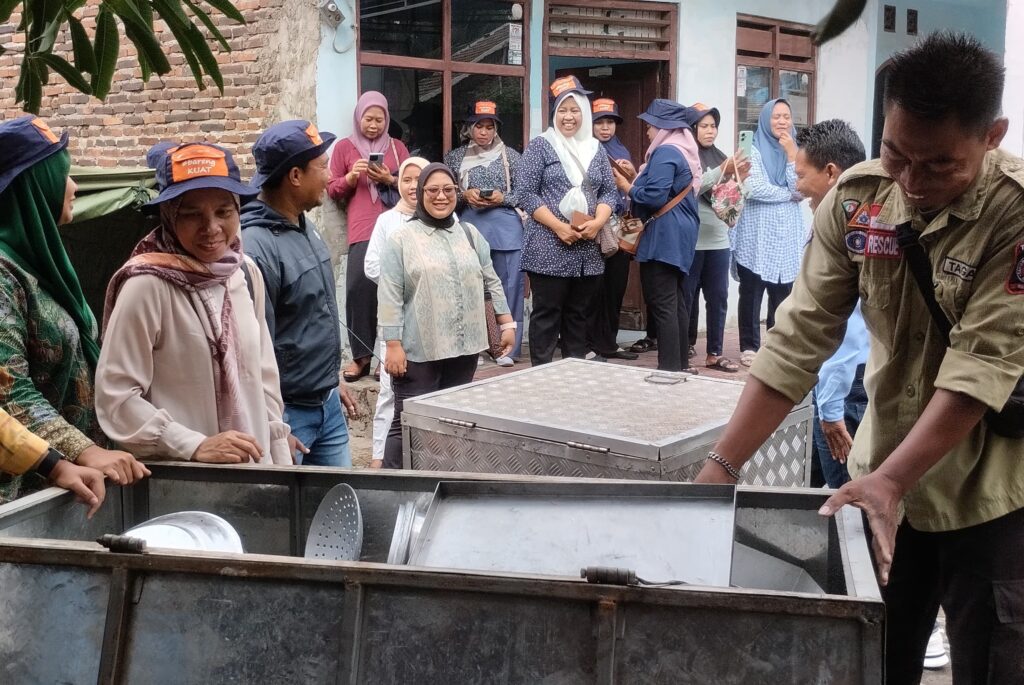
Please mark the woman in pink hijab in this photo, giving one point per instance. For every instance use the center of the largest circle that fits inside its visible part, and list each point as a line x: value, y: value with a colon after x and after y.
x: 365, y: 188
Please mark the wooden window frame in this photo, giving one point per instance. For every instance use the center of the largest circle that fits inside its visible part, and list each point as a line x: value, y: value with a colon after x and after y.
x: 668, y: 56
x: 776, y: 63
x: 447, y: 67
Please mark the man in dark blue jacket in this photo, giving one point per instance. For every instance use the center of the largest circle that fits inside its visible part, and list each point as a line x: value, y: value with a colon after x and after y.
x: 302, y: 309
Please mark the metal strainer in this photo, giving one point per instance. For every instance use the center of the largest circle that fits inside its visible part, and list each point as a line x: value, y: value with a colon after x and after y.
x: 336, y: 533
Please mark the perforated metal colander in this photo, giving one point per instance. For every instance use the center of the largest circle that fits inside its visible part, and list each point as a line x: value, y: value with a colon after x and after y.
x: 336, y: 533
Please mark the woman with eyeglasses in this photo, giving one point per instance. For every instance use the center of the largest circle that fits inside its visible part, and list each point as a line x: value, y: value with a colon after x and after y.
x: 434, y: 271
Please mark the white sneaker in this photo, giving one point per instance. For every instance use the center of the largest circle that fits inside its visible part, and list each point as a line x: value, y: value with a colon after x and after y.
x: 590, y: 356
x: 505, y: 361
x: 935, y: 656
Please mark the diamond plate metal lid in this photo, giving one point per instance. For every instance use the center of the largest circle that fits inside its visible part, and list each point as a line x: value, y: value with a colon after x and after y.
x: 625, y: 410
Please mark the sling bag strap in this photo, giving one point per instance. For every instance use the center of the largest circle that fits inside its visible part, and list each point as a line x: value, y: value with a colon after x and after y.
x: 508, y: 171
x: 472, y: 243
x: 672, y: 203
x: 1009, y: 422
x: 921, y: 270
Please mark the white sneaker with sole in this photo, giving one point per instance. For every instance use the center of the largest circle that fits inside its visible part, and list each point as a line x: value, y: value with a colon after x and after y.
x: 505, y: 361
x: 935, y: 656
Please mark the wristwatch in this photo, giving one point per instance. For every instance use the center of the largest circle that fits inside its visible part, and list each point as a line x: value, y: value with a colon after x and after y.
x: 51, y: 459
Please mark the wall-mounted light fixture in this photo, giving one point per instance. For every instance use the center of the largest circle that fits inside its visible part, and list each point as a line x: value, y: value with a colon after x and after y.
x: 339, y: 16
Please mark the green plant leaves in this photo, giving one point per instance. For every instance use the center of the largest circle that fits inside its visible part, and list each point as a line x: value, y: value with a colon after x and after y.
x: 93, y: 61
x: 70, y: 74
x: 105, y: 47
x: 81, y: 47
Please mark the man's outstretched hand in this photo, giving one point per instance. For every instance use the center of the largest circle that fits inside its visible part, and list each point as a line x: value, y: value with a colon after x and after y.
x: 879, y: 497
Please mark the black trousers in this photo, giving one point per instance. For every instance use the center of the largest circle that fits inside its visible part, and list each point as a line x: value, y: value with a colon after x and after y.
x: 977, y: 575
x: 419, y: 379
x: 603, y: 318
x: 665, y: 291
x: 709, y: 274
x: 752, y: 289
x: 560, y: 308
x: 360, y: 303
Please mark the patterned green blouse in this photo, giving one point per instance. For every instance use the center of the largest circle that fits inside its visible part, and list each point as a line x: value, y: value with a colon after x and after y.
x: 45, y: 380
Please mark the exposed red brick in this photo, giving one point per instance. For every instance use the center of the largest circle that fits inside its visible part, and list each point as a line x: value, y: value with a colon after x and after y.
x: 137, y: 114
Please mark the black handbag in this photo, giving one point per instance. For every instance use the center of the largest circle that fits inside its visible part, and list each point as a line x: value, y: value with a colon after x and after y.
x: 1008, y: 422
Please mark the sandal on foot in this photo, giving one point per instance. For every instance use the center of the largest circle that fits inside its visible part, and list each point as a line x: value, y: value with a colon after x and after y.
x: 747, y: 358
x: 355, y: 371
x: 644, y: 345
x: 724, y: 364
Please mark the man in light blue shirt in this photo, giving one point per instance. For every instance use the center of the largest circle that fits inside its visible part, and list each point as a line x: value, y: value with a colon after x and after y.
x: 826, y: 150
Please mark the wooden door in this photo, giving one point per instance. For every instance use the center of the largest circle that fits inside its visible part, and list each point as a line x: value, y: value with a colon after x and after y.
x: 632, y: 86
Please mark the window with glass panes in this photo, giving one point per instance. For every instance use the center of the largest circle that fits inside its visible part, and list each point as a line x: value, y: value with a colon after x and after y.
x: 434, y: 59
x: 773, y: 60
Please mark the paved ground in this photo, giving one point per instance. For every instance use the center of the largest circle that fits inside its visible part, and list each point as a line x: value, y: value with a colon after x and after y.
x: 365, y: 392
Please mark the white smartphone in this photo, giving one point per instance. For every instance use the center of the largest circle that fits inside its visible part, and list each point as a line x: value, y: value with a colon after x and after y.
x: 746, y: 143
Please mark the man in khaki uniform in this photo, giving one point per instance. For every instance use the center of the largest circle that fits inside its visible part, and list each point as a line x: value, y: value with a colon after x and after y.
x: 940, y: 488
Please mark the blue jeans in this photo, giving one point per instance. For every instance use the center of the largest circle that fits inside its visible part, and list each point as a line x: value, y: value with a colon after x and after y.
x: 836, y: 474
x: 323, y: 430
x: 513, y: 281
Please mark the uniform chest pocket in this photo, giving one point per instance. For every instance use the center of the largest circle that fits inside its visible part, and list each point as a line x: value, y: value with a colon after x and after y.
x: 952, y: 294
x: 878, y: 306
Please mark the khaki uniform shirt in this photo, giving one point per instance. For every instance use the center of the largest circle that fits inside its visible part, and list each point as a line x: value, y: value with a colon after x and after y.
x: 976, y: 249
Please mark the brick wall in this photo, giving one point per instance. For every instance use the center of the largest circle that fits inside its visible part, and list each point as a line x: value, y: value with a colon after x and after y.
x: 264, y: 61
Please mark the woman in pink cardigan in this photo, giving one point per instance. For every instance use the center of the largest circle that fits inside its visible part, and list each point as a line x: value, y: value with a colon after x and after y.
x: 366, y: 189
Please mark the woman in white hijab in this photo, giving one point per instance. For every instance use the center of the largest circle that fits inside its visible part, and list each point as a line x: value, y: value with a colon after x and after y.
x: 387, y: 223
x: 567, y: 190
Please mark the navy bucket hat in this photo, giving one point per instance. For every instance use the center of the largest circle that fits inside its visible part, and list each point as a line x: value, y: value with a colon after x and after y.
x: 285, y: 145
x: 192, y: 166
x: 26, y: 141
x: 669, y: 114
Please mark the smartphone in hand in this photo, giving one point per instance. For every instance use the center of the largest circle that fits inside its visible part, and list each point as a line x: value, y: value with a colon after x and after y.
x: 746, y: 143
x: 486, y: 193
x: 376, y: 158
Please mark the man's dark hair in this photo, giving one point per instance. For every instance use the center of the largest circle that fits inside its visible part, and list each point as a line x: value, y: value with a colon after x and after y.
x: 831, y: 141
x: 275, y: 181
x: 948, y: 75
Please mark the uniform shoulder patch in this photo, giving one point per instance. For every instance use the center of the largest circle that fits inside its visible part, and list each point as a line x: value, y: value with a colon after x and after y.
x: 856, y: 241
x: 850, y: 208
x: 861, y: 217
x: 1015, y: 281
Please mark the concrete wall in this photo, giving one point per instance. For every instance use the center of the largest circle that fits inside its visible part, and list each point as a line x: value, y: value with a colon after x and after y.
x: 986, y: 19
x: 1013, y: 98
